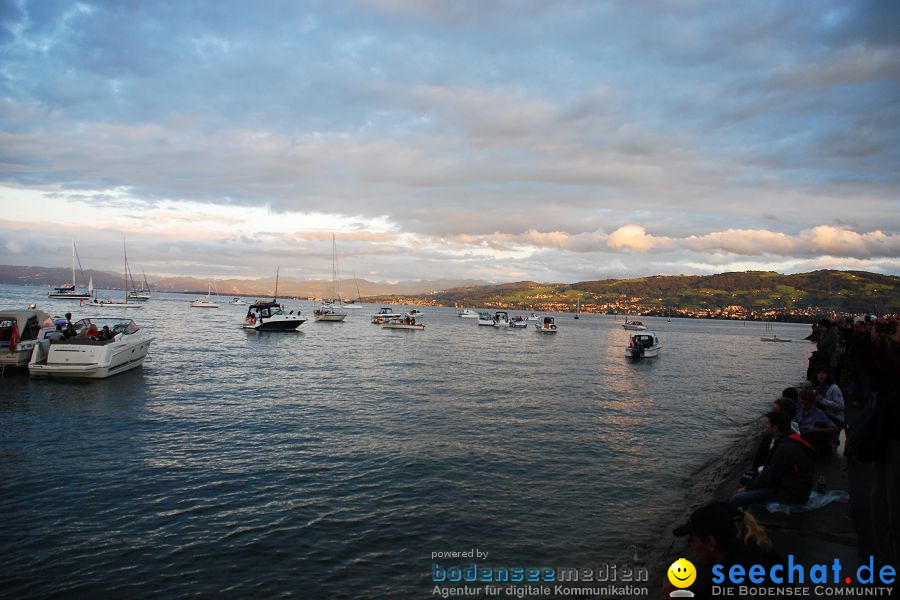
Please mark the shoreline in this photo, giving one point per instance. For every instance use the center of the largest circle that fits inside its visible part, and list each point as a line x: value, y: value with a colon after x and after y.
x: 717, y: 478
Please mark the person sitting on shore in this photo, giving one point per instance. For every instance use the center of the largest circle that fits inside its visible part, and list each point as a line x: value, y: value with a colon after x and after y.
x: 830, y: 399
x: 815, y: 426
x: 791, y: 393
x: 788, y: 476
x: 767, y: 443
x: 722, y: 534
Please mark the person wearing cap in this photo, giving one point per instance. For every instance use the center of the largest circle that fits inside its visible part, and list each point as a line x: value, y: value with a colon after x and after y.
x: 721, y: 534
x: 788, y: 476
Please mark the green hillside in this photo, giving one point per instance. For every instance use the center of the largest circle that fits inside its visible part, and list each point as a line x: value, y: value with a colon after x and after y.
x: 735, y: 295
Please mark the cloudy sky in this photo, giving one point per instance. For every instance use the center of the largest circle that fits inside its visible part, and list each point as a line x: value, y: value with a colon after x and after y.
x: 554, y: 141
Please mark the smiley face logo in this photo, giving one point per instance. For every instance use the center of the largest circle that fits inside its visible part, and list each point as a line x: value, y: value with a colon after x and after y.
x: 682, y: 573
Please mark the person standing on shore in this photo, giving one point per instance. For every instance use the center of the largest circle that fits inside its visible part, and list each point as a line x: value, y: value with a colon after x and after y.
x: 788, y: 476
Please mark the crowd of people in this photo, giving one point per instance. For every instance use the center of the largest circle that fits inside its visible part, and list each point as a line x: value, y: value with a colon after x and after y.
x: 855, y: 369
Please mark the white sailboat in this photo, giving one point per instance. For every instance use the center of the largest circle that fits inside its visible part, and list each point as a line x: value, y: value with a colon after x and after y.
x: 108, y: 302
x: 142, y: 294
x: 207, y: 302
x: 66, y: 291
x: 331, y: 311
x: 578, y: 307
x: 356, y: 303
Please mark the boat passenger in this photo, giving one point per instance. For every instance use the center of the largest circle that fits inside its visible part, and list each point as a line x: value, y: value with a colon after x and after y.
x: 92, y: 332
x: 106, y: 334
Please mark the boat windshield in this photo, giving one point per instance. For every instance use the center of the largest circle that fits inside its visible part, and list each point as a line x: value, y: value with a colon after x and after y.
x: 116, y: 325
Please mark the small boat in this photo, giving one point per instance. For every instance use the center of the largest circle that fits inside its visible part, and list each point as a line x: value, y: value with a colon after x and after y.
x: 67, y: 291
x: 329, y: 313
x: 20, y: 332
x: 774, y: 338
x: 384, y: 315
x: 142, y: 294
x: 501, y: 319
x: 238, y: 301
x: 532, y: 317
x: 518, y: 322
x: 548, y: 325
x: 416, y: 313
x: 578, y: 308
x: 208, y: 301
x: 642, y: 345
x: 88, y: 355
x: 633, y: 325
x: 404, y: 323
x: 485, y: 319
x: 108, y: 302
x: 467, y: 313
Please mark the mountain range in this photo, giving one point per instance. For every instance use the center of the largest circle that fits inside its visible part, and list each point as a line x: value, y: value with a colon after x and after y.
x: 265, y: 286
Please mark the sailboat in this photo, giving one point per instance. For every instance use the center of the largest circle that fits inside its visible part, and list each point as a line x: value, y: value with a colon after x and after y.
x: 356, y: 303
x: 109, y: 303
x: 141, y: 294
x: 578, y: 307
x: 206, y: 302
x: 67, y: 291
x: 331, y: 310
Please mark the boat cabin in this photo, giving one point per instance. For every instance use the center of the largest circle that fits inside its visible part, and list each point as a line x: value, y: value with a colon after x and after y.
x: 264, y: 309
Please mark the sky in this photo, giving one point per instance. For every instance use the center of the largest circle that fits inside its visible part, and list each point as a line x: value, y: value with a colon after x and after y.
x: 502, y: 141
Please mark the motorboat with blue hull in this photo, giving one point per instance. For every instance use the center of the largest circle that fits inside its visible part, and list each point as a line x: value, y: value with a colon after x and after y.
x: 101, y: 348
x: 270, y: 316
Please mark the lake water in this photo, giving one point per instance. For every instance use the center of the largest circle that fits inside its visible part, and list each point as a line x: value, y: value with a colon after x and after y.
x: 332, y: 462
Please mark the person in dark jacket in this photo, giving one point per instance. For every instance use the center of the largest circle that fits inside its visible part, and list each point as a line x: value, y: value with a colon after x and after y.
x: 788, y: 476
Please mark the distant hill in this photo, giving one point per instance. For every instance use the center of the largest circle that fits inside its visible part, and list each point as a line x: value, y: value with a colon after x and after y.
x: 725, y: 294
x: 50, y: 277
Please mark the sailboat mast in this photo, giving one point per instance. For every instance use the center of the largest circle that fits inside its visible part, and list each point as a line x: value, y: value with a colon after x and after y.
x: 73, y: 262
x: 333, y: 265
x: 276, y: 284
x: 125, y: 271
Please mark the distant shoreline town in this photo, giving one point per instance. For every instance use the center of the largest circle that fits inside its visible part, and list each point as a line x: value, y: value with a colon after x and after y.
x: 751, y: 296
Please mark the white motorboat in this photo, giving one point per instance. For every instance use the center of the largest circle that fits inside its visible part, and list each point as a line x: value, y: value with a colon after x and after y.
x: 331, y: 311
x: 634, y: 325
x: 642, y: 345
x: 67, y: 291
x: 486, y: 319
x: 270, y: 316
x: 532, y: 317
x: 415, y: 313
x: 774, y: 338
x: 384, y: 315
x: 208, y: 301
x: 467, y: 313
x: 407, y: 322
x: 89, y: 354
x: 20, y: 331
x: 547, y: 325
x: 501, y: 319
x: 239, y: 302
x: 518, y: 322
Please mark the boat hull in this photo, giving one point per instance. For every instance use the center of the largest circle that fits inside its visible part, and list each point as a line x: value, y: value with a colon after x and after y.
x: 330, y: 318
x: 68, y: 296
x: 277, y: 325
x: 631, y: 327
x: 645, y: 353
x: 83, y: 361
x: 402, y: 326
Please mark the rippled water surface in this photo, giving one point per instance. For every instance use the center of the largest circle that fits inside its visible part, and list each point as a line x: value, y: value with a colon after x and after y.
x: 333, y: 461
